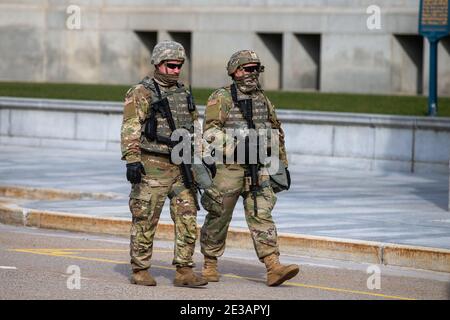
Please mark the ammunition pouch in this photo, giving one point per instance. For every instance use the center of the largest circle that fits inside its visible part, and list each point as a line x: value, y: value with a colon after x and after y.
x: 150, y: 128
x: 245, y: 105
x: 190, y: 102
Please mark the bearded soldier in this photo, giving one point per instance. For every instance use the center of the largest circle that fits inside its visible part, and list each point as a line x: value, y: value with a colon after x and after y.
x: 153, y: 109
x: 243, y: 105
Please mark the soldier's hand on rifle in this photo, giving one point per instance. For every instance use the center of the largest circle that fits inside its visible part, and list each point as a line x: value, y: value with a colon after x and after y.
x: 134, y: 172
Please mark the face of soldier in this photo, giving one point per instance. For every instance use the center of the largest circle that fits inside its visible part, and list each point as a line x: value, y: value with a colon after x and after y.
x: 172, y: 67
x: 245, y: 69
x: 246, y: 77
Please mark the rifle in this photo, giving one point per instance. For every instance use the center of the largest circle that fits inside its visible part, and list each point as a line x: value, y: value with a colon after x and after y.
x: 163, y: 107
x: 246, y: 108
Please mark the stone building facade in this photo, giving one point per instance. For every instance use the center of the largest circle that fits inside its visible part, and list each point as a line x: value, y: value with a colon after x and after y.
x: 325, y: 45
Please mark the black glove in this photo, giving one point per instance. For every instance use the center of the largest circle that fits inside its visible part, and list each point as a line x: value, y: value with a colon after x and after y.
x: 288, y: 175
x: 134, y: 171
x: 211, y: 168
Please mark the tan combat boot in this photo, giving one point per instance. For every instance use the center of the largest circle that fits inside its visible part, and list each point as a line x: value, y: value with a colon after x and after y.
x: 142, y: 278
x: 185, y: 277
x: 278, y: 273
x: 210, y: 272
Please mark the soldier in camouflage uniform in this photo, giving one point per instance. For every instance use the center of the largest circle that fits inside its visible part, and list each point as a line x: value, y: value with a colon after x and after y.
x: 230, y: 182
x: 150, y: 171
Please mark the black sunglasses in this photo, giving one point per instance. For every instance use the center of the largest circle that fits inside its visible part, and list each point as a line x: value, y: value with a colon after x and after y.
x: 251, y: 68
x: 174, y: 65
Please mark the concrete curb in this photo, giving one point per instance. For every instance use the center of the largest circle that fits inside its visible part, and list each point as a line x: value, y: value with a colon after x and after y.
x: 434, y: 259
x: 52, y: 194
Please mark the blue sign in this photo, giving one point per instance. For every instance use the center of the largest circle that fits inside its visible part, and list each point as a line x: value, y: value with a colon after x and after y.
x: 434, y: 18
x: 434, y: 24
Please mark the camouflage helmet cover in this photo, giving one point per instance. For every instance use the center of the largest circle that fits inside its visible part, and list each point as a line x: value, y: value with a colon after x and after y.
x: 167, y: 50
x: 240, y: 58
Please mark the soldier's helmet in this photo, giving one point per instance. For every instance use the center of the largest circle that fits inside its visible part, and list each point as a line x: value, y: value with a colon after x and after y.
x: 243, y: 57
x: 167, y: 50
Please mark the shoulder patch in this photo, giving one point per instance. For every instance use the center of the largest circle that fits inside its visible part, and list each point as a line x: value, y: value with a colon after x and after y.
x: 129, y: 110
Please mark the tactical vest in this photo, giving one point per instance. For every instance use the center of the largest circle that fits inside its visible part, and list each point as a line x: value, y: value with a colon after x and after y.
x: 235, y: 119
x: 183, y: 118
x: 260, y: 116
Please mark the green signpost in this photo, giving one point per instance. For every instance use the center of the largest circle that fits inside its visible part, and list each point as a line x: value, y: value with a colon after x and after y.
x: 434, y: 24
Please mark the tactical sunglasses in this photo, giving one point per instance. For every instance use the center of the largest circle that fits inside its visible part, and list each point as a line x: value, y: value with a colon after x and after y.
x: 174, y: 65
x: 251, y: 68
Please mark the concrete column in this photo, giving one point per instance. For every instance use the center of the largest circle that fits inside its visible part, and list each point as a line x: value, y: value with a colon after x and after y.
x: 22, y: 54
x: 269, y: 47
x: 355, y: 63
x: 407, y: 64
x: 147, y: 41
x: 210, y: 54
x: 75, y: 56
x: 163, y: 35
x: 22, y: 38
x: 443, y: 67
x: 292, y: 63
x: 124, y: 56
x: 301, y: 61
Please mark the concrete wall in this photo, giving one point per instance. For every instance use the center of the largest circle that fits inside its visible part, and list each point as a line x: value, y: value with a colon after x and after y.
x: 305, y: 44
x: 369, y: 142
x: 60, y: 124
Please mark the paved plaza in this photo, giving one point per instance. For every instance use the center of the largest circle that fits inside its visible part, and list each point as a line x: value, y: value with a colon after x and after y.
x: 379, y: 206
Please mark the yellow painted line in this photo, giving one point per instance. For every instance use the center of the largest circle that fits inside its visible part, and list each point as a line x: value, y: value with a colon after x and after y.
x: 295, y: 284
x: 348, y: 291
x: 113, y: 261
x: 66, y: 254
x: 69, y: 250
x: 91, y: 259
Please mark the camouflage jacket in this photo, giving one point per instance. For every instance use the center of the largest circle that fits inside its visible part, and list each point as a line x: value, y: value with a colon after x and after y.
x: 136, y: 111
x: 217, y: 113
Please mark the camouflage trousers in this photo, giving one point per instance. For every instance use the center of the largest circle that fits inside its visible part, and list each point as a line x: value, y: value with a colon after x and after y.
x: 220, y: 200
x: 147, y: 198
